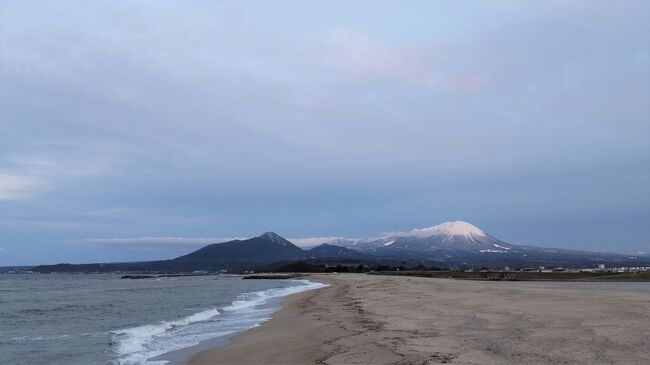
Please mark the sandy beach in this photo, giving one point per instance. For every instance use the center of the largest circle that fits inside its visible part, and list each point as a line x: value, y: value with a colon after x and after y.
x: 369, y: 319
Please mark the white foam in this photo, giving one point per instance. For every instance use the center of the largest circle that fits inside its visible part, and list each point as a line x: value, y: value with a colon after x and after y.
x: 137, y: 345
x: 39, y: 338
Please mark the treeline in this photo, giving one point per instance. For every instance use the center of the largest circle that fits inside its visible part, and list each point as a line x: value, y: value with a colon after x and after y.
x: 314, y: 267
x: 309, y: 267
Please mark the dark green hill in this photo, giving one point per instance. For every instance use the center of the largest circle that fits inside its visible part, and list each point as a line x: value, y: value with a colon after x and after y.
x: 332, y: 251
x: 237, y: 255
x: 269, y: 247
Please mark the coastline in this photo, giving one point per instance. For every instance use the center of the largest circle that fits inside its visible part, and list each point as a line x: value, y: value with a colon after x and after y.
x: 268, y: 306
x: 388, y: 319
x: 268, y: 341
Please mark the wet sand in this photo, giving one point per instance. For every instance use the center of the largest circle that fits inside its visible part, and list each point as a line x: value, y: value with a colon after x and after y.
x: 371, y: 319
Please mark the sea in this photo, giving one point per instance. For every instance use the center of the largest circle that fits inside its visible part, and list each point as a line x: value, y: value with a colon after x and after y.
x: 88, y: 319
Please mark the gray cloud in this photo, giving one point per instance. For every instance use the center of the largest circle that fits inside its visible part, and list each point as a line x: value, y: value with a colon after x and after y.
x: 325, y: 119
x: 191, y: 242
x: 154, y: 241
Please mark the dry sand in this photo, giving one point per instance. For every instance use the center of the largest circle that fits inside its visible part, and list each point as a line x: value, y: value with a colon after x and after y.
x: 368, y: 319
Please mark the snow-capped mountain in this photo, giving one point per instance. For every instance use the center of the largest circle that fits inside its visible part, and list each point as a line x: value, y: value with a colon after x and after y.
x: 447, y: 244
x: 454, y: 236
x: 461, y: 243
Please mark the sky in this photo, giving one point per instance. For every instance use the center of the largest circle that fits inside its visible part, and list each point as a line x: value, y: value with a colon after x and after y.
x: 136, y: 130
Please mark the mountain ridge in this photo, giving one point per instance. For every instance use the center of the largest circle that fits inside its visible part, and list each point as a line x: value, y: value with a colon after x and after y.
x: 456, y: 243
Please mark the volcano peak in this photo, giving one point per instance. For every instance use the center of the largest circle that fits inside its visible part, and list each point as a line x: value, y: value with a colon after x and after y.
x: 457, y: 228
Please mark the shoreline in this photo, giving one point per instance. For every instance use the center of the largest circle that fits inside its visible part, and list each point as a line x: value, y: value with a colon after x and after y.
x: 395, y: 319
x: 184, y: 356
x: 231, y: 351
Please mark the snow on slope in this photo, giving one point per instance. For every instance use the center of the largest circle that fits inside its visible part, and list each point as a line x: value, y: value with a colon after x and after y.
x: 457, y: 228
x: 458, y: 235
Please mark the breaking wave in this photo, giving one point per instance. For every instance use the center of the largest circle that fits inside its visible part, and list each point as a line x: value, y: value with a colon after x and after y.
x: 138, y: 345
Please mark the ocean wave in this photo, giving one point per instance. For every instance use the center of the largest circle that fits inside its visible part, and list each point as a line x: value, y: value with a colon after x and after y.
x: 136, y: 338
x: 39, y: 338
x: 137, y: 345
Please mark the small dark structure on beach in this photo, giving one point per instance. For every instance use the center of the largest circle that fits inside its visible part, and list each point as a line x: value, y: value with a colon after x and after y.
x: 502, y: 276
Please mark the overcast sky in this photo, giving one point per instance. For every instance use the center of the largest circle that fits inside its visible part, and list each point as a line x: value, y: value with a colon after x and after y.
x: 135, y: 130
